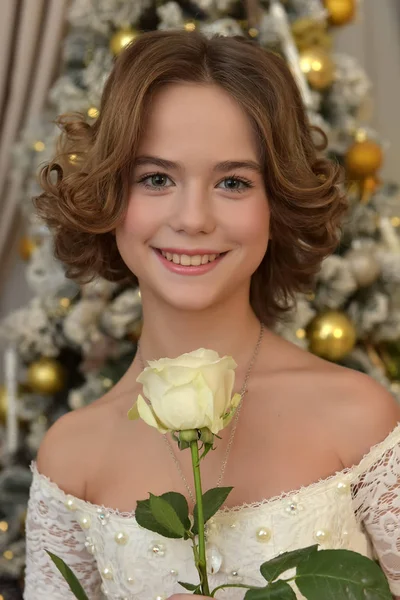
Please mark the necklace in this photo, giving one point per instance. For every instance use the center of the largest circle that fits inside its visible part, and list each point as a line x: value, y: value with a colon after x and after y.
x: 235, y: 419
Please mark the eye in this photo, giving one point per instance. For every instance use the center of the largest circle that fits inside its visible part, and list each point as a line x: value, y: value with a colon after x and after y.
x: 155, y: 181
x: 235, y: 184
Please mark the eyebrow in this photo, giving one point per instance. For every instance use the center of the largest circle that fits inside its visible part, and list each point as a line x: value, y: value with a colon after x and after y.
x: 227, y: 165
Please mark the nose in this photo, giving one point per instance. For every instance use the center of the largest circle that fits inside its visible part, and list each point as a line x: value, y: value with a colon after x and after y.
x: 193, y: 211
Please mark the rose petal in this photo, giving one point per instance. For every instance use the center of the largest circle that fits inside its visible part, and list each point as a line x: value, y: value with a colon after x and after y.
x: 149, y: 416
x: 234, y: 404
x: 133, y: 412
x: 194, y: 360
x: 178, y: 375
x: 154, y: 385
x: 187, y: 406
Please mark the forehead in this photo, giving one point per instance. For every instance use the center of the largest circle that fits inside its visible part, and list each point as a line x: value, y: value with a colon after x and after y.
x: 196, y: 119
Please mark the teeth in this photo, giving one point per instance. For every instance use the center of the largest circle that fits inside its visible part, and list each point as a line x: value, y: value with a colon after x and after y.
x: 186, y: 260
x: 195, y: 260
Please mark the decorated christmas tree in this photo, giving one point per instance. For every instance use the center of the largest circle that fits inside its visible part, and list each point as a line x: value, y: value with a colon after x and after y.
x: 72, y: 343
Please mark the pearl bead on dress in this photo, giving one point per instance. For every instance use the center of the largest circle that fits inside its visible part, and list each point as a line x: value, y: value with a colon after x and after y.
x: 342, y: 488
x: 121, y: 538
x: 70, y: 503
x: 321, y: 535
x: 85, y: 521
x: 263, y: 534
x: 107, y: 573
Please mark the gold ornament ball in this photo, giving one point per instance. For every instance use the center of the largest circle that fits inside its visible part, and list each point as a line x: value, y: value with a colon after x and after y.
x: 331, y: 335
x: 340, y: 12
x: 121, y: 39
x: 308, y: 32
x: 27, y: 246
x: 318, y: 67
x: 363, y: 159
x: 46, y: 376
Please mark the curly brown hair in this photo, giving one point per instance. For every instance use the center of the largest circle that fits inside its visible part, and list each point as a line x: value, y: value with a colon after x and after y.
x: 86, y: 201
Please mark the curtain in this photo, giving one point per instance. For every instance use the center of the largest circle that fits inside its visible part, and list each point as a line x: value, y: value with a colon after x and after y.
x: 30, y: 36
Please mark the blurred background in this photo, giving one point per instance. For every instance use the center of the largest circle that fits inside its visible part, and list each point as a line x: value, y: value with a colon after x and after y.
x: 62, y: 346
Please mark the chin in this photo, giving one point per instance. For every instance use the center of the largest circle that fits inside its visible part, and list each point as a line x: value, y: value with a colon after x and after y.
x: 191, y: 300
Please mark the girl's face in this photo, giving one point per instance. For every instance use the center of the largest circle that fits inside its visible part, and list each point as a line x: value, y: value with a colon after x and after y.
x: 197, y: 222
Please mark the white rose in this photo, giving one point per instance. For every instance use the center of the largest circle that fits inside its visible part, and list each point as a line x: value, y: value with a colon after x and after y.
x: 191, y: 391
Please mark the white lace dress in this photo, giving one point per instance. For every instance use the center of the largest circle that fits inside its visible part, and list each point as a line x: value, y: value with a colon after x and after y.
x: 114, y: 558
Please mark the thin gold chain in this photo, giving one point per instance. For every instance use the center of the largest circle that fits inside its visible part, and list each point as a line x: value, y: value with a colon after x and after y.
x: 235, y: 419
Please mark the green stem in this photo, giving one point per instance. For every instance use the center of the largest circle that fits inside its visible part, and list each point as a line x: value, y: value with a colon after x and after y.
x: 194, y: 547
x: 202, y: 565
x: 234, y: 585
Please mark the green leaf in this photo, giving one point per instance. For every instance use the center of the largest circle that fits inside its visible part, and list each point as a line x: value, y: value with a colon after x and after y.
x: 189, y: 586
x: 279, y: 590
x: 179, y: 503
x: 273, y: 568
x: 166, y: 515
x: 146, y: 519
x: 343, y: 574
x: 183, y: 445
x: 69, y: 577
x: 207, y: 448
x: 213, y: 499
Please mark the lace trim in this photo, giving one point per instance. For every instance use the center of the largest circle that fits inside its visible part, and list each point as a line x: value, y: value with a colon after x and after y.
x: 353, y: 472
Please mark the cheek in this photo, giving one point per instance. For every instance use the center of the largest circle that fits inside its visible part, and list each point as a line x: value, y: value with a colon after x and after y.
x: 139, y: 221
x: 252, y: 225
x: 129, y: 233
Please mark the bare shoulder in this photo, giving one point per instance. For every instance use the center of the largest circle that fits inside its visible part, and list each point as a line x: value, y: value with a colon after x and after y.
x: 355, y: 410
x: 65, y: 452
x: 366, y: 412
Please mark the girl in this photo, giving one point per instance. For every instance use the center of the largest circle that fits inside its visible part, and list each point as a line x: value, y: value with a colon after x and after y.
x: 202, y: 183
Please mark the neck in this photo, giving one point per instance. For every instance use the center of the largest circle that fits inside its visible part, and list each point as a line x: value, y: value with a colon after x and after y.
x: 228, y: 328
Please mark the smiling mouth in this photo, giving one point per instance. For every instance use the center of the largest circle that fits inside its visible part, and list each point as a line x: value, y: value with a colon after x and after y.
x: 187, y: 260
